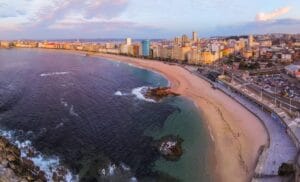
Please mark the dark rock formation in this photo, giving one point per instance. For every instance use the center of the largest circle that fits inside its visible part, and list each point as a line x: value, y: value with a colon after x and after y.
x: 159, y: 93
x: 286, y: 169
x: 12, y: 162
x: 170, y: 147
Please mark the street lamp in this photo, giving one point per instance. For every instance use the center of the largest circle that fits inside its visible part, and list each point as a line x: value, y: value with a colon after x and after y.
x: 261, y: 94
x: 275, y: 94
x: 290, y: 105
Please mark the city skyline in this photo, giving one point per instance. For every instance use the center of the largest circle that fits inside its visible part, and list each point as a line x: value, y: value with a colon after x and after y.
x: 35, y: 19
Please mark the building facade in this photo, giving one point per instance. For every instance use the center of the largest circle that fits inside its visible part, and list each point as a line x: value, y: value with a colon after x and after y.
x: 146, y: 48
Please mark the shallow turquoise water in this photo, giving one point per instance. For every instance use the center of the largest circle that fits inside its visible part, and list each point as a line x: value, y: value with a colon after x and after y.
x: 194, y: 164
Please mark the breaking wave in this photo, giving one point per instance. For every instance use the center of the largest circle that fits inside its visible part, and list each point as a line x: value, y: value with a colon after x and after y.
x: 119, y: 93
x: 53, y: 73
x: 72, y: 111
x: 140, y: 93
x: 63, y: 102
x: 115, y: 172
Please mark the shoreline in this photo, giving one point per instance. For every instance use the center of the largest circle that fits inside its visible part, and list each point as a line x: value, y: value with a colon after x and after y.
x: 236, y: 134
x: 236, y: 141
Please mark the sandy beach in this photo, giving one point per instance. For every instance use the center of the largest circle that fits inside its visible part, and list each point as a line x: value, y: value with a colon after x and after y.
x: 236, y: 133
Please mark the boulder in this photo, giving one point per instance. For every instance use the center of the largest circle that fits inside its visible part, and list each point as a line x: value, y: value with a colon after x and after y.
x: 41, y: 176
x: 28, y: 164
x: 159, y: 93
x: 57, y: 177
x: 286, y: 169
x: 3, y: 142
x: 12, y: 166
x: 4, y: 162
x: 31, y: 153
x: 11, y: 158
x: 30, y: 178
x: 13, y: 150
x: 170, y: 147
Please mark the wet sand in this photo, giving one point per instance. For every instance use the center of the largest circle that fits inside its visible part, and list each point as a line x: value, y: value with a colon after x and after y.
x: 236, y: 133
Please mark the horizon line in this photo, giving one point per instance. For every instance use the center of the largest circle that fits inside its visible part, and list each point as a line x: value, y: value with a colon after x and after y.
x: 216, y: 36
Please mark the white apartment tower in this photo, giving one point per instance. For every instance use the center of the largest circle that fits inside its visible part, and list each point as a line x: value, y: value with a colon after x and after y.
x: 128, y: 41
x: 250, y: 40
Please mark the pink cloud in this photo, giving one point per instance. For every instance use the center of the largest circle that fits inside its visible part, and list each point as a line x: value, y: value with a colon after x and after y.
x: 272, y: 15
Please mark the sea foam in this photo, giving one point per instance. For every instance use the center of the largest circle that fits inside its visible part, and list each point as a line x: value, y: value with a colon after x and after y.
x: 139, y: 93
x: 118, y: 93
x: 53, y: 73
x: 72, y: 111
x: 113, y: 170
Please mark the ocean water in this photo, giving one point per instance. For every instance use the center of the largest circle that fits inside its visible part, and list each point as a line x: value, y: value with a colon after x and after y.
x: 88, y: 115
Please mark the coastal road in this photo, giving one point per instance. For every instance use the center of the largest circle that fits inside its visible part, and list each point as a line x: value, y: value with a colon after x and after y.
x: 280, y: 101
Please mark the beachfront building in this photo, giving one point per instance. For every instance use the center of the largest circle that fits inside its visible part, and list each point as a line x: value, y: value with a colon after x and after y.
x: 5, y: 44
x: 26, y: 44
x: 165, y: 52
x: 128, y: 41
x: 124, y: 49
x: 146, y: 48
x: 208, y: 57
x: 180, y: 53
x: 136, y: 50
x: 193, y: 57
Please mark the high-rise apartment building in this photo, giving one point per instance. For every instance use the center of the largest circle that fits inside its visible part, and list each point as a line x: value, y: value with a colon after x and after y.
x: 185, y: 39
x: 250, y: 41
x: 128, y: 41
x: 146, y: 48
x: 177, y: 40
x: 195, y: 37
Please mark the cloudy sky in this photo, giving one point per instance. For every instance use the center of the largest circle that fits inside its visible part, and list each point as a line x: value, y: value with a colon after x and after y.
x: 51, y: 19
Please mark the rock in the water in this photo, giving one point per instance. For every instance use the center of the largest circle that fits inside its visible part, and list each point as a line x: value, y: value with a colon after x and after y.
x: 170, y: 147
x: 159, y: 93
x: 28, y: 164
x: 13, y: 150
x: 286, y: 169
x: 31, y: 153
x: 11, y: 157
x: 3, y: 142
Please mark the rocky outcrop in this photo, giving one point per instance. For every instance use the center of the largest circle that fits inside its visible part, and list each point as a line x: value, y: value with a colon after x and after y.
x: 159, y: 93
x: 286, y: 169
x: 170, y: 147
x: 59, y: 174
x: 14, y: 167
